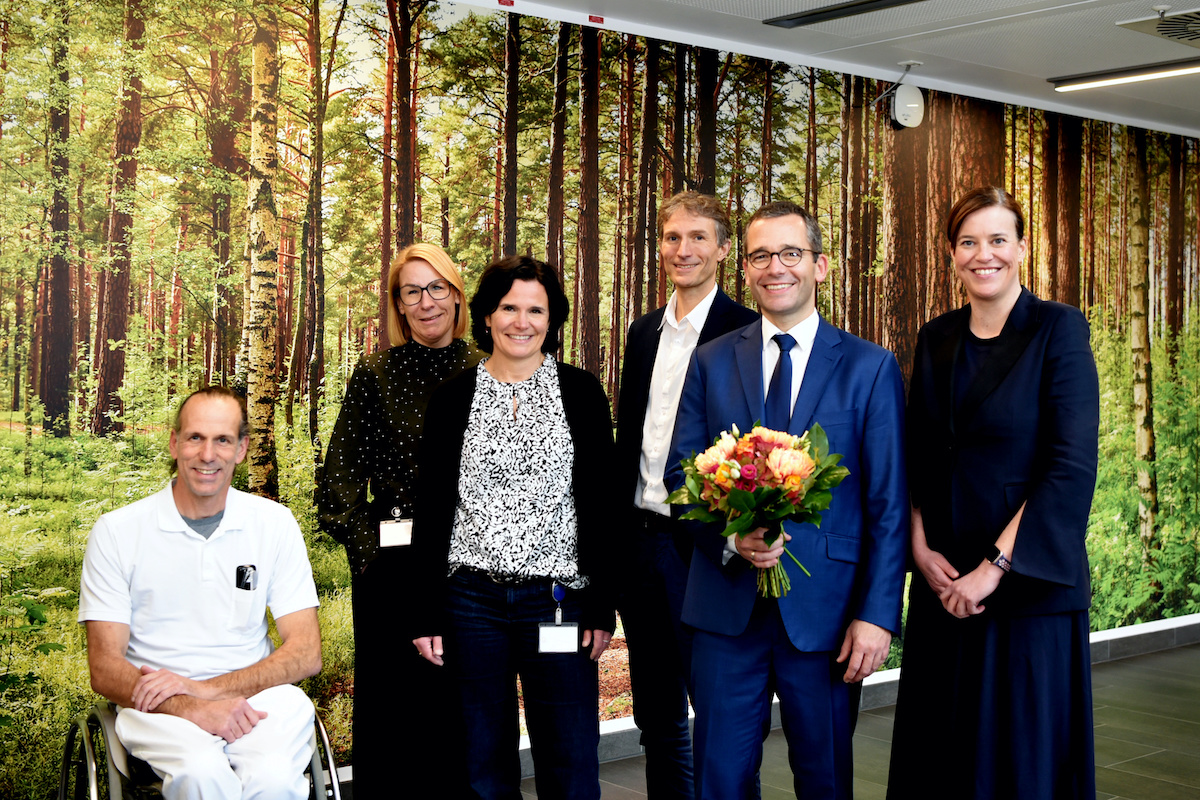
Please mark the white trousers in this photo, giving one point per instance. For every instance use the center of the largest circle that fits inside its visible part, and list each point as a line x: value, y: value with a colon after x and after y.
x: 268, y: 762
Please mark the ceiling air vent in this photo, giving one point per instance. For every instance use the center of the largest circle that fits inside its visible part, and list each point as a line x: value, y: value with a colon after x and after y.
x: 1183, y: 28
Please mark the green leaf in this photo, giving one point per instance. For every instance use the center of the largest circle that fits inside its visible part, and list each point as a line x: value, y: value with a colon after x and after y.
x: 702, y: 514
x: 741, y: 500
x: 818, y: 439
x: 46, y: 648
x: 679, y: 496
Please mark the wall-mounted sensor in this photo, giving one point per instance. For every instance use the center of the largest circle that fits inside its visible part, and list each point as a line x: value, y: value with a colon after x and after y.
x: 908, y: 106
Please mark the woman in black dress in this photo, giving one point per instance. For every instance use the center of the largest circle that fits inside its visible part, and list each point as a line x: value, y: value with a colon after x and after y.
x: 995, y: 693
x: 401, y: 716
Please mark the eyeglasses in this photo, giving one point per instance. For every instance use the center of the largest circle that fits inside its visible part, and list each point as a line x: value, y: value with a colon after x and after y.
x: 410, y: 293
x: 791, y: 257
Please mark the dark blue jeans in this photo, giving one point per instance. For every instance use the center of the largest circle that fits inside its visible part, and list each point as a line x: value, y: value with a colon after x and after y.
x: 491, y: 637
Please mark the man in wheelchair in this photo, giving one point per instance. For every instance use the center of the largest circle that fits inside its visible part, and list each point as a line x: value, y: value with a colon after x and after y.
x: 174, y: 595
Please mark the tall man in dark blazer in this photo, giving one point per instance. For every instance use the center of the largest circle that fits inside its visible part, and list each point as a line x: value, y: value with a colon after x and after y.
x: 833, y: 628
x: 693, y: 237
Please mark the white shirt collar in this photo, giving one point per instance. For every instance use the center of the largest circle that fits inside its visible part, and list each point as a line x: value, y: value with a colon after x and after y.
x: 804, y: 332
x: 696, y: 317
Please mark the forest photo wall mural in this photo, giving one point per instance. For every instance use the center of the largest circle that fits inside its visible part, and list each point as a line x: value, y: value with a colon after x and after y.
x: 206, y: 192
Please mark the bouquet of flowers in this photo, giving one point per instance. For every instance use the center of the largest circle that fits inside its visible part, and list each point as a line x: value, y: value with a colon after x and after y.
x: 759, y: 479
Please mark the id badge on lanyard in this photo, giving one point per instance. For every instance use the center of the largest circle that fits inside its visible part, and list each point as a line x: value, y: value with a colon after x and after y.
x: 557, y: 636
x: 395, y: 532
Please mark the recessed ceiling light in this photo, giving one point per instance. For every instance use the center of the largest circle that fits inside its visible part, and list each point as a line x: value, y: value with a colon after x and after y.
x: 838, y: 11
x: 1145, y: 72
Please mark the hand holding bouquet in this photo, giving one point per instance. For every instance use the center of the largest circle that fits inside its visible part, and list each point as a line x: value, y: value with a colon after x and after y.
x: 759, y: 479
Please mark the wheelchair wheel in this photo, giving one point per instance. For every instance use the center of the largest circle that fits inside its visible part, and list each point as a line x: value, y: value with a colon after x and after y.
x: 83, y: 774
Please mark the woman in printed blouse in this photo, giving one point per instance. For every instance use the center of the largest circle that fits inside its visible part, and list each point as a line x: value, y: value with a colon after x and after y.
x: 510, y: 527
x: 374, y: 449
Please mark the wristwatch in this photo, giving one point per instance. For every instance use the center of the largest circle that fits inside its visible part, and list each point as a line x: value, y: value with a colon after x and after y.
x: 1000, y: 560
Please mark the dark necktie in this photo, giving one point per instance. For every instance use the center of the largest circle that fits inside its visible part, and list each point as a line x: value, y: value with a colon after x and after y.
x: 779, y: 393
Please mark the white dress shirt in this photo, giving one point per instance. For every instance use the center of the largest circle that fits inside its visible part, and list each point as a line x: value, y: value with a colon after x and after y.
x: 805, y: 333
x: 676, y: 341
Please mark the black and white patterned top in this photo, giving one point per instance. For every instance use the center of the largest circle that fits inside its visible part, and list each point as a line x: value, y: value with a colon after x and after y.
x: 516, y: 514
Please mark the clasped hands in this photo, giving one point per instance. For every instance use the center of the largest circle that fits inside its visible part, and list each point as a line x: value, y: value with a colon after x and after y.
x: 963, y: 595
x: 231, y: 718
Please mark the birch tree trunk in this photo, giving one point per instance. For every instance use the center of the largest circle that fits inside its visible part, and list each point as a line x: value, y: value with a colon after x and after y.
x: 261, y: 386
x: 1139, y: 334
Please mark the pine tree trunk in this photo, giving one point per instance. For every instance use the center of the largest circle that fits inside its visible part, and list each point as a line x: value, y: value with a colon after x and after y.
x: 1066, y: 251
x: 106, y: 412
x: 558, y: 143
x: 1175, y: 240
x: 55, y: 371
x: 937, y: 270
x: 261, y: 384
x: 904, y: 167
x: 645, y: 225
x: 385, y: 262
x: 679, y: 122
x: 1139, y: 301
x: 587, y: 272
x: 512, y: 117
x: 706, y: 120
x: 768, y: 133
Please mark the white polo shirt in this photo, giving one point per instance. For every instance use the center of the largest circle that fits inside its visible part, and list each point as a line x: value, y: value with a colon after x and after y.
x: 178, y: 592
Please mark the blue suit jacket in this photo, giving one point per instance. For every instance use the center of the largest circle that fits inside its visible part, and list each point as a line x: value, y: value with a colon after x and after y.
x: 857, y: 557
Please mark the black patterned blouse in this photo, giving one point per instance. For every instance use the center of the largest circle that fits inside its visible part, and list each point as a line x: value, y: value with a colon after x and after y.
x: 516, y: 513
x: 375, y: 442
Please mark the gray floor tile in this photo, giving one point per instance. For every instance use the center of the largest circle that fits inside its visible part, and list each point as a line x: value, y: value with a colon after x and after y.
x: 1110, y: 752
x: 1182, y: 769
x: 1128, y: 786
x: 1147, y: 715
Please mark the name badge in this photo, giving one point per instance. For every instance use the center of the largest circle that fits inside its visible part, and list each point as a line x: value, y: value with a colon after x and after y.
x: 395, y: 533
x: 558, y: 638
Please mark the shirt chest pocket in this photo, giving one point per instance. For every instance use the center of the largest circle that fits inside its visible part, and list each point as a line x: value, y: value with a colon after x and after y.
x: 247, y: 607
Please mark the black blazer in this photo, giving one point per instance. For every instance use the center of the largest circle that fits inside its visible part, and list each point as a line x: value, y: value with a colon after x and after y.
x: 590, y: 421
x: 1025, y: 432
x: 641, y: 348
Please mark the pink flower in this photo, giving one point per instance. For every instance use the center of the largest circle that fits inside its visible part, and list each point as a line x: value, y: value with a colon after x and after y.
x: 749, y: 472
x: 771, y: 440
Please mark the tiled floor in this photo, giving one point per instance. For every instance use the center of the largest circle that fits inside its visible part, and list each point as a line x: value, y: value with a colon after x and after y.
x: 1147, y: 738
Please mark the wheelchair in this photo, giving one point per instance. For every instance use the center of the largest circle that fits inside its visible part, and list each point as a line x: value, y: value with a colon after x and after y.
x: 95, y: 766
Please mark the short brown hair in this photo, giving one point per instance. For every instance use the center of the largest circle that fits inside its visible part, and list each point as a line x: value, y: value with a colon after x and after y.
x: 397, y: 324
x: 696, y: 204
x: 980, y: 198
x: 786, y: 208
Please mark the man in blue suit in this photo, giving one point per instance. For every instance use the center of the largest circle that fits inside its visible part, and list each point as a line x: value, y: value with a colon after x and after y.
x: 791, y: 370
x: 693, y: 238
